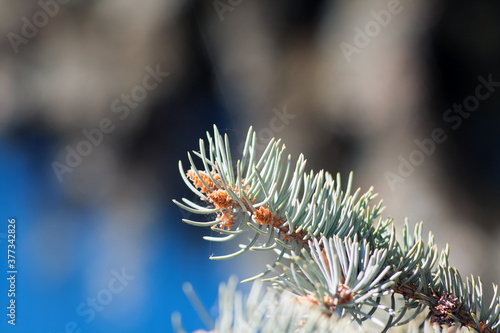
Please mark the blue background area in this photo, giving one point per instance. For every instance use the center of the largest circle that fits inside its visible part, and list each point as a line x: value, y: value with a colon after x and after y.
x: 51, y: 281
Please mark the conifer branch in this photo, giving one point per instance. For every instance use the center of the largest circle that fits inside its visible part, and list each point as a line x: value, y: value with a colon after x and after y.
x: 345, y: 257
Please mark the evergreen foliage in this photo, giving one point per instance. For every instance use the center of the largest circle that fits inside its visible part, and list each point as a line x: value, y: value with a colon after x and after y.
x: 339, y: 265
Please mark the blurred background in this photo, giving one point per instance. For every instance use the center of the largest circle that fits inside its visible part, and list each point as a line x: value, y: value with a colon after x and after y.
x: 354, y: 85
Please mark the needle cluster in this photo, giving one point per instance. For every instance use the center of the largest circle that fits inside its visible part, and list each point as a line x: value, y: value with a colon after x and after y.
x: 335, y: 254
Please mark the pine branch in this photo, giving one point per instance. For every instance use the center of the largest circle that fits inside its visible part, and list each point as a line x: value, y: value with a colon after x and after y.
x: 269, y: 311
x: 345, y: 258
